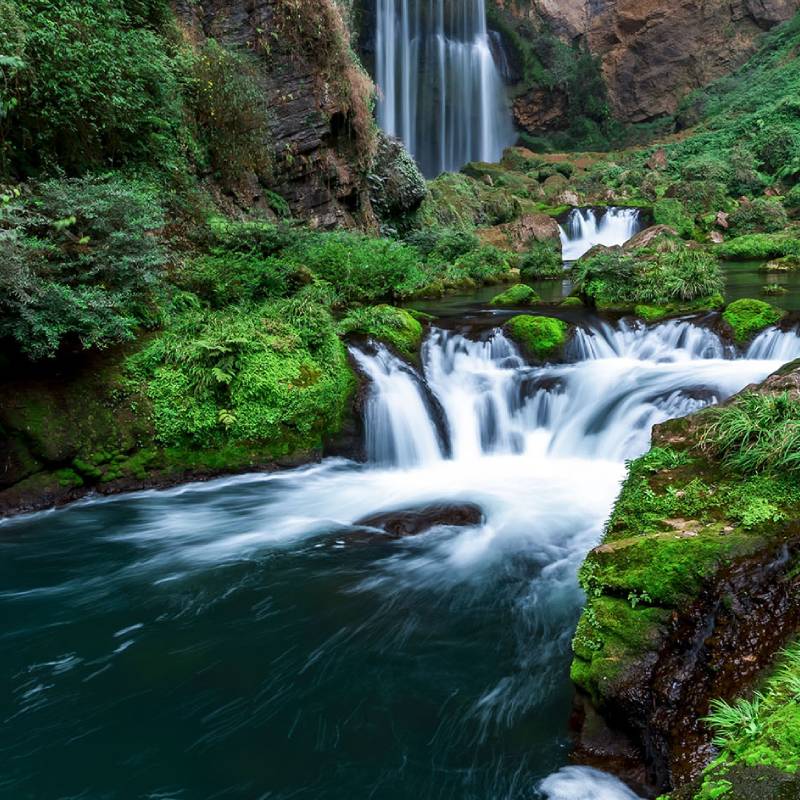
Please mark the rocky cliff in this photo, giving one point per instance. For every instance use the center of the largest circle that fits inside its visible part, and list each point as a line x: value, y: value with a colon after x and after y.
x: 320, y: 123
x: 653, y: 53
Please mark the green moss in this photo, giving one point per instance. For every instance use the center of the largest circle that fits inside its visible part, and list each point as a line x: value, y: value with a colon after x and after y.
x: 783, y: 264
x: 394, y: 326
x: 541, y: 337
x: 519, y: 295
x: 653, y: 313
x: 571, y: 302
x: 748, y: 317
x: 758, y: 246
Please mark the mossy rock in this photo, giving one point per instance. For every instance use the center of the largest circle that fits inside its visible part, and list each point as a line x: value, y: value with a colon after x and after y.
x: 519, y: 295
x: 542, y: 338
x: 393, y: 326
x: 652, y: 313
x: 748, y: 317
x: 783, y: 264
x: 571, y: 302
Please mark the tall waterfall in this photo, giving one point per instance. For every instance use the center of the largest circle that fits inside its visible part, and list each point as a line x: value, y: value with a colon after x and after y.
x: 586, y: 227
x: 441, y: 91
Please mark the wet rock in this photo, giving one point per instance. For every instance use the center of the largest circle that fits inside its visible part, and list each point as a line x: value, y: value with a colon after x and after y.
x: 646, y: 237
x: 396, y: 184
x: 413, y: 521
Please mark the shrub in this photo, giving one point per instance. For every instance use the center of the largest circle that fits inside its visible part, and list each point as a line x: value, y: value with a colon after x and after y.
x: 394, y: 326
x: 97, y: 87
x: 760, y: 216
x: 443, y: 244
x: 702, y: 196
x: 487, y: 264
x: 81, y: 263
x: 671, y: 211
x: 757, y: 433
x: 707, y: 167
x: 777, y: 146
x: 540, y: 337
x: 759, y: 246
x: 542, y: 262
x: 748, y: 317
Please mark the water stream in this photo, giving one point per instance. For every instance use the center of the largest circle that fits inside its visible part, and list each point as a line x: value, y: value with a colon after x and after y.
x: 245, y: 638
x: 441, y: 91
x: 586, y: 227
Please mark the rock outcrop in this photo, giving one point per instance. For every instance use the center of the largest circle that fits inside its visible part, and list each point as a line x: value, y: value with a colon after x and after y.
x: 321, y: 128
x: 652, y: 52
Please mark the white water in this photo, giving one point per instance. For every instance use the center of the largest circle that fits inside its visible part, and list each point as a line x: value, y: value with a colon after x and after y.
x: 587, y: 227
x: 584, y: 783
x: 440, y: 89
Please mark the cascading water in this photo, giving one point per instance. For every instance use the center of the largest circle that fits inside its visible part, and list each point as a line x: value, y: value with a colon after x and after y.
x: 440, y: 89
x: 204, y: 640
x: 587, y: 227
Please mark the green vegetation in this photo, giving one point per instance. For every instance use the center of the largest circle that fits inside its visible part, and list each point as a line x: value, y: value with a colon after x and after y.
x: 748, y: 317
x: 758, y: 246
x: 758, y: 738
x: 395, y: 326
x: 519, y: 295
x: 542, y: 262
x: 667, y: 273
x: 541, y: 338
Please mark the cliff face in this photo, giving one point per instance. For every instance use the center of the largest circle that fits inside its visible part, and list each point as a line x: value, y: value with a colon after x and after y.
x: 320, y: 122
x: 654, y: 52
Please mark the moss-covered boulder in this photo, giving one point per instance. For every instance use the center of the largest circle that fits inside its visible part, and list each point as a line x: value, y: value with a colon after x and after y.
x: 397, y: 187
x: 696, y: 584
x: 748, y: 317
x: 518, y: 295
x: 783, y: 264
x: 541, y: 338
x: 393, y: 326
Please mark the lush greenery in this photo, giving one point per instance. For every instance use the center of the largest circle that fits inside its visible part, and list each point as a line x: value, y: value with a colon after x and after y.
x: 542, y: 261
x: 748, y: 317
x: 518, y: 295
x: 541, y: 338
x: 395, y: 326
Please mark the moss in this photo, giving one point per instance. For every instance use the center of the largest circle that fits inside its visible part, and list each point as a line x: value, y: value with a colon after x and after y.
x: 394, y: 326
x: 519, y: 295
x: 784, y: 264
x: 748, y: 317
x: 571, y: 302
x: 540, y: 337
x: 652, y: 313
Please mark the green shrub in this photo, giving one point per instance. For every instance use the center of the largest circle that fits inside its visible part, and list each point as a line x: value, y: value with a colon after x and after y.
x: 778, y: 146
x: 760, y: 216
x: 540, y: 337
x: 81, y: 264
x: 702, y: 196
x: 395, y: 326
x: 487, y: 264
x: 759, y: 246
x: 98, y: 87
x: 748, y: 317
x: 756, y: 433
x: 670, y: 211
x: 542, y: 262
x: 443, y: 244
x: 518, y: 295
x: 274, y: 373
x: 707, y: 167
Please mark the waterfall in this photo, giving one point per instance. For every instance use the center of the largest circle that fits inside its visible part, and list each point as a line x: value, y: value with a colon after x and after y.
x: 587, y: 227
x: 621, y: 381
x: 440, y: 89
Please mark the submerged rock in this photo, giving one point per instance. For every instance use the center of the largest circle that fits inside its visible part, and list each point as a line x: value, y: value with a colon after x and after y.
x: 413, y: 521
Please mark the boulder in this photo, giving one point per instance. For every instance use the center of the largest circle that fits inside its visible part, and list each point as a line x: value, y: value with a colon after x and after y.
x: 646, y: 237
x: 396, y: 184
x: 413, y: 521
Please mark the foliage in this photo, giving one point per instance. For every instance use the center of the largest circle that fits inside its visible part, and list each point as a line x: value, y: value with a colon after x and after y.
x: 540, y: 337
x: 670, y: 211
x: 97, y: 86
x: 518, y: 295
x: 542, y: 262
x: 759, y: 432
x: 443, y: 244
x: 395, y: 326
x: 748, y: 317
x: 81, y: 264
x: 759, y: 246
x: 759, y: 216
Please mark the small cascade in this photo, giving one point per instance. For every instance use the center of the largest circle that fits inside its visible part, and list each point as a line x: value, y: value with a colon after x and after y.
x: 775, y: 345
x: 399, y: 430
x: 440, y: 89
x: 587, y: 227
x: 621, y: 381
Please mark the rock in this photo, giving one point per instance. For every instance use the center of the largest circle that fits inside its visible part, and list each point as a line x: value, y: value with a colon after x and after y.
x: 568, y: 198
x: 542, y: 110
x: 397, y: 186
x: 646, y: 237
x: 518, y: 235
x: 658, y: 161
x: 722, y: 219
x: 717, y: 237
x: 413, y: 521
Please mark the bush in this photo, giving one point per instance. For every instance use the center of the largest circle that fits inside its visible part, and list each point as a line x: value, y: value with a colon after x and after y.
x: 759, y: 246
x: 97, y: 87
x: 542, y: 262
x: 760, y: 216
x: 757, y: 433
x: 487, y: 264
x: 670, y: 211
x: 274, y: 373
x: 395, y: 326
x: 748, y: 317
x: 443, y: 244
x: 81, y: 266
x: 778, y: 145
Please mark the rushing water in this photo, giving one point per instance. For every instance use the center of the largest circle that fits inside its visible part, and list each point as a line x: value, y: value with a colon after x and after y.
x: 586, y: 227
x: 441, y: 91
x: 245, y: 639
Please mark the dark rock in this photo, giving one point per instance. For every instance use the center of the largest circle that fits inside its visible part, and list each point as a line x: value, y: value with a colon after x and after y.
x: 413, y: 521
x: 397, y: 186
